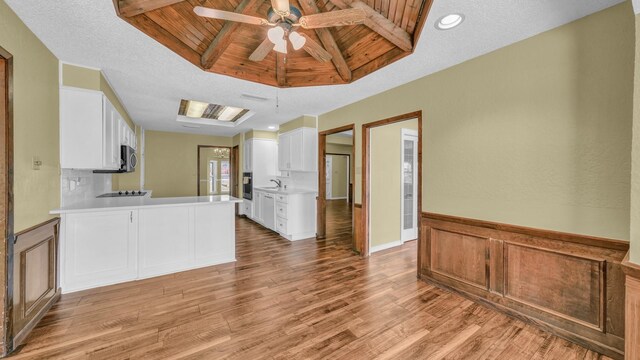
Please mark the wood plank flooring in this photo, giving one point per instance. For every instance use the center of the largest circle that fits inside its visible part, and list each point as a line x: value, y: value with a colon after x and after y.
x: 303, y: 300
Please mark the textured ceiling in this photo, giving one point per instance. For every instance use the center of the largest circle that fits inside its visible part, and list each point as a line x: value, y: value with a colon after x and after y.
x: 151, y: 79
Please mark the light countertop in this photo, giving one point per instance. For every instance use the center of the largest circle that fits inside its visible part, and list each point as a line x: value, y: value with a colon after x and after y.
x: 138, y: 202
x: 285, y: 192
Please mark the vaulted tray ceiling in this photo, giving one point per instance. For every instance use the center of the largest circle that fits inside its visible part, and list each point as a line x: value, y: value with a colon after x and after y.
x: 389, y: 32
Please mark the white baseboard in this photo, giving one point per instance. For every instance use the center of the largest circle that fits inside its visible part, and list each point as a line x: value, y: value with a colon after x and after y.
x: 385, y: 246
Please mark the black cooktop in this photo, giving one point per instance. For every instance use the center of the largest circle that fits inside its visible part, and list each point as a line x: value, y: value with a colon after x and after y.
x: 124, y: 194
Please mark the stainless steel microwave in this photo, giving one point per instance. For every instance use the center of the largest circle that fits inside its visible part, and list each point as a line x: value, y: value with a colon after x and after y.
x: 128, y: 159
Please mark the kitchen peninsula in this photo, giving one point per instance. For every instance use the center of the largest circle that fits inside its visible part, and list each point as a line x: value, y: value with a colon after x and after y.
x: 112, y: 240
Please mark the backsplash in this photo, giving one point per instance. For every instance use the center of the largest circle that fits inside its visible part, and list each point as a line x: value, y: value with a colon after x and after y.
x: 300, y: 180
x: 80, y: 185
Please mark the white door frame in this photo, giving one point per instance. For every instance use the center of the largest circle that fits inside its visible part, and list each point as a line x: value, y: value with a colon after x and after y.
x: 409, y: 234
x: 329, y: 176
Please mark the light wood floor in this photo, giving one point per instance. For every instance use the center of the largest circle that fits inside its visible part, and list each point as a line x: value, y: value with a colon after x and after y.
x: 303, y: 300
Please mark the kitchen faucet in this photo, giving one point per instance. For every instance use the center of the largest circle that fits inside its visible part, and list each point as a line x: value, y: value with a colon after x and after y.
x: 278, y: 182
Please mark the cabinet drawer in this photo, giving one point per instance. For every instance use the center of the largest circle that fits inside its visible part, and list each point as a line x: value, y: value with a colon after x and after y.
x: 281, y: 198
x: 281, y: 210
x: 281, y: 225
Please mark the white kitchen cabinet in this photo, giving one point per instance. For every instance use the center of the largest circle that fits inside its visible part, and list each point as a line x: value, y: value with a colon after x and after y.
x: 91, y: 130
x: 258, y: 196
x: 112, y: 246
x: 284, y: 152
x: 99, y: 248
x: 247, y: 156
x: 298, y: 150
x: 111, y: 144
x: 209, y: 234
x: 296, y: 215
x: 247, y: 208
x: 165, y: 240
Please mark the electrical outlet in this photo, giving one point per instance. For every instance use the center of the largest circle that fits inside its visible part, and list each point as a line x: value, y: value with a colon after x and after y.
x: 37, y: 163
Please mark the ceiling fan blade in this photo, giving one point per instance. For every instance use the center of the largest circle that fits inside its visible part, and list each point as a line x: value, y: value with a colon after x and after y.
x: 280, y: 6
x: 229, y: 16
x: 333, y: 18
x: 262, y: 50
x: 314, y: 49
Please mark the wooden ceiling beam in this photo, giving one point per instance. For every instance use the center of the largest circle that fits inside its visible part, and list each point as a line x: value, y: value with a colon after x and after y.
x: 225, y: 35
x: 380, y: 24
x: 281, y: 69
x: 309, y: 7
x: 129, y: 8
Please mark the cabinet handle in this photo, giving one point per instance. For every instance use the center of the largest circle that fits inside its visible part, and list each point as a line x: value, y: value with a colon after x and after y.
x: 131, y: 217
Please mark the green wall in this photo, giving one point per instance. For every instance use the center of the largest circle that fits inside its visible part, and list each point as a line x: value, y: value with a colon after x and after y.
x: 171, y: 162
x: 303, y: 121
x: 35, y: 122
x: 634, y: 253
x: 535, y: 134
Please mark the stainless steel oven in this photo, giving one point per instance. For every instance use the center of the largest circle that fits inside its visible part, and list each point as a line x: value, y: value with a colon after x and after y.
x: 247, y: 186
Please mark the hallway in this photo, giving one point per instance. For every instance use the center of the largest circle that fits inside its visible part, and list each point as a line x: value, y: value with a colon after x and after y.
x: 289, y: 300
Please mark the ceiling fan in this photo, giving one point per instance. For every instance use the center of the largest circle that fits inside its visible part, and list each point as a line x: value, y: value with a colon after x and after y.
x: 283, y: 19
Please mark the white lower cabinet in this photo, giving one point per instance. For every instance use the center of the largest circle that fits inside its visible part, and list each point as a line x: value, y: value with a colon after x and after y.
x: 296, y: 215
x: 247, y: 208
x: 99, y: 248
x: 208, y: 252
x: 108, y: 247
x: 165, y: 240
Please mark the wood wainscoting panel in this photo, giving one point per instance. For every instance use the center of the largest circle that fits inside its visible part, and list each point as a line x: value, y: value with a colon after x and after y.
x: 632, y: 307
x: 564, y: 285
x: 568, y: 284
x: 459, y: 256
x: 35, y: 280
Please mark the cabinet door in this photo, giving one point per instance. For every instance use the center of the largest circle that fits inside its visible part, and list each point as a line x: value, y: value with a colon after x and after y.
x: 284, y: 151
x: 100, y: 248
x: 80, y: 129
x: 297, y: 150
x: 214, y: 234
x: 110, y: 143
x: 257, y: 206
x: 166, y: 240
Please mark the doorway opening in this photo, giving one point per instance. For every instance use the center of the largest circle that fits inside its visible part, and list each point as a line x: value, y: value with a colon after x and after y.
x: 215, y: 170
x: 335, y: 152
x: 391, y: 182
x: 338, y: 176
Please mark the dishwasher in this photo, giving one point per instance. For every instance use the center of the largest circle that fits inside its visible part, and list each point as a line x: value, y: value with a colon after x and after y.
x: 269, y: 211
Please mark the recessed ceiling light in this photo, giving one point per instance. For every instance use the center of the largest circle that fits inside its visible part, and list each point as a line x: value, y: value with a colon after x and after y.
x: 272, y: 127
x: 449, y: 21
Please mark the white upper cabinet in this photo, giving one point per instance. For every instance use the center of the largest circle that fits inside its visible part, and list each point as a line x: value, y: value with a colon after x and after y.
x: 297, y: 150
x: 91, y: 131
x: 247, y: 156
x: 111, y: 148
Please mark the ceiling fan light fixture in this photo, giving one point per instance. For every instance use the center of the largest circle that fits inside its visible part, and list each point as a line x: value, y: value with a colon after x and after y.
x: 281, y: 46
x: 276, y: 35
x: 297, y: 40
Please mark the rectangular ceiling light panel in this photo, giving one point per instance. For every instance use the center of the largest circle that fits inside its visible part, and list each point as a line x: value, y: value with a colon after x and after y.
x: 202, y: 110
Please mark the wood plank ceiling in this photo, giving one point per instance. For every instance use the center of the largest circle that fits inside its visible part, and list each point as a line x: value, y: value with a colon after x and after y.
x: 389, y: 33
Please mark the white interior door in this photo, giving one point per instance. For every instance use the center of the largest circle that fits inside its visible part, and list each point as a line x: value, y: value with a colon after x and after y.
x: 409, y: 185
x: 328, y: 172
